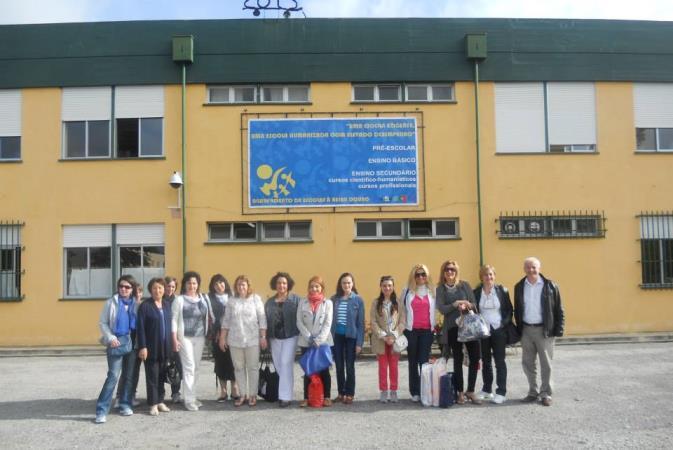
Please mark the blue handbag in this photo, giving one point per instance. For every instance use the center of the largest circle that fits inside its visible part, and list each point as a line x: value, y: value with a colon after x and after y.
x: 124, y: 348
x: 316, y: 359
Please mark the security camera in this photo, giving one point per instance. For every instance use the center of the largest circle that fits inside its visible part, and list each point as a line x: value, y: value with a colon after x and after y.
x: 175, y: 181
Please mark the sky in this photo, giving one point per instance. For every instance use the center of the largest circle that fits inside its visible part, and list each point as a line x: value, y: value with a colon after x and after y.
x: 50, y: 11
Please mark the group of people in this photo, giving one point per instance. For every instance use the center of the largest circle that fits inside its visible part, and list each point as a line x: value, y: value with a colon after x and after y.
x: 166, y: 329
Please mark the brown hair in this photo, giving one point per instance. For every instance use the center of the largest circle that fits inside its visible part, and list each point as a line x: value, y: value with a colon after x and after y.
x: 247, y: 280
x: 317, y: 279
x: 449, y: 262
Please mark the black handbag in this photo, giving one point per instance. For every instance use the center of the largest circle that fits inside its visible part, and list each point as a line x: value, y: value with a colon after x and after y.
x: 268, y: 378
x: 513, y: 335
x: 172, y: 371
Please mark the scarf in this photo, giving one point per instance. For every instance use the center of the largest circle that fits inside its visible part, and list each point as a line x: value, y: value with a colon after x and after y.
x: 315, y: 299
x: 125, y: 322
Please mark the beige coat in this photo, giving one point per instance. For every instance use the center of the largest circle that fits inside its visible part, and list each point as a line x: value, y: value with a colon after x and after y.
x: 380, y: 326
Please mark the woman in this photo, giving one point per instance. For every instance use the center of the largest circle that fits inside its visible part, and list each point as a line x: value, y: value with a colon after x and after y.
x: 282, y: 332
x: 117, y: 321
x: 419, y: 306
x: 495, y: 306
x: 191, y: 317
x: 154, y: 343
x: 314, y: 321
x: 387, y: 323
x: 244, y: 332
x: 169, y: 296
x: 348, y: 331
x: 219, y: 293
x: 455, y: 297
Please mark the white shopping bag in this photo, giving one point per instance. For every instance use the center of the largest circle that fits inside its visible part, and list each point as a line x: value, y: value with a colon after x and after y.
x: 426, y: 384
x: 438, y: 369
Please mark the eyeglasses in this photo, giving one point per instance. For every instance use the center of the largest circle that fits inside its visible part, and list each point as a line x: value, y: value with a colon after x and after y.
x: 125, y: 286
x: 450, y: 269
x: 420, y: 275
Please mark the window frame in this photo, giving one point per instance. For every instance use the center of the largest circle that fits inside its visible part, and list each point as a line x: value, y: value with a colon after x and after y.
x: 11, y: 248
x: 548, y: 223
x: 656, y: 232
x: 260, y: 233
x: 4, y: 159
x: 145, y: 278
x: 429, y: 92
x: 139, y: 122
x: 406, y: 234
x: 88, y: 294
x: 657, y: 140
x: 86, y: 140
x: 258, y: 94
x: 377, y: 87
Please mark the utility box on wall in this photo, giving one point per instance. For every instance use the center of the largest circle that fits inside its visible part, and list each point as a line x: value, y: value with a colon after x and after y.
x: 476, y: 46
x: 183, y: 49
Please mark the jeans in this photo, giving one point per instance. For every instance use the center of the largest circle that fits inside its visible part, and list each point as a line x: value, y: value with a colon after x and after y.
x: 115, y: 365
x: 344, y: 358
x: 494, y: 346
x: 473, y: 351
x: 418, y: 353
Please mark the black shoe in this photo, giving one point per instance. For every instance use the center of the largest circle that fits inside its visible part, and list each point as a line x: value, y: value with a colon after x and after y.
x: 283, y: 404
x: 546, y: 401
x: 529, y: 399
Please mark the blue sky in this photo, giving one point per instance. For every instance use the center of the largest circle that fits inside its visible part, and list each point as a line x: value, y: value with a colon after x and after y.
x: 47, y: 11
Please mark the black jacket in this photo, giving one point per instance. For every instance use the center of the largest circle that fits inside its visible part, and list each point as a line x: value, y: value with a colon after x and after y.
x: 553, y: 319
x: 149, y: 330
x: 506, y: 309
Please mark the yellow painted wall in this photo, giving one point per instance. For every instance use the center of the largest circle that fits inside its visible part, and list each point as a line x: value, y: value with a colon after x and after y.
x: 598, y: 277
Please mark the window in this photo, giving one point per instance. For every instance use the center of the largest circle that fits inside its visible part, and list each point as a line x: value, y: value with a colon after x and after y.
x: 377, y: 93
x: 259, y: 231
x: 429, y: 93
x: 138, y: 128
x: 393, y: 93
x: 653, y: 113
x: 396, y: 229
x: 551, y: 226
x: 10, y: 125
x: 656, y: 247
x: 10, y: 260
x: 88, y: 257
x: 555, y: 117
x: 259, y: 94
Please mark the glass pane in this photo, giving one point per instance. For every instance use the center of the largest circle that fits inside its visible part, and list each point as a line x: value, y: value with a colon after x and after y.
x: 272, y: 94
x: 127, y: 138
x: 129, y: 257
x: 244, y: 94
x: 154, y: 257
x: 562, y: 227
x: 245, y: 231
x: 75, y: 139
x: 151, y: 136
x: 665, y: 138
x: 297, y: 93
x: 445, y: 228
x: 391, y: 229
x: 442, y: 93
x: 363, y: 93
x: 220, y: 231
x: 650, y: 261
x: 6, y: 259
x: 219, y: 94
x: 667, y: 247
x: 365, y: 229
x: 99, y: 138
x: 420, y: 228
x: 10, y: 147
x: 100, y: 257
x: 645, y: 139
x: 300, y: 230
x: 389, y: 93
x: 77, y: 272
x: 587, y: 226
x: 274, y: 230
x: 417, y: 93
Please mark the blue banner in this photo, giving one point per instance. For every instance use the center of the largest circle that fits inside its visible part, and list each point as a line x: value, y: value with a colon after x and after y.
x: 332, y: 162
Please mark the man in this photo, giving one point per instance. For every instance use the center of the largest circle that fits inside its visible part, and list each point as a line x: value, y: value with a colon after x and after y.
x: 539, y: 319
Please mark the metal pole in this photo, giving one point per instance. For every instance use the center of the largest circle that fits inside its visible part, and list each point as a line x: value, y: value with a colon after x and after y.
x: 476, y: 112
x: 183, y: 189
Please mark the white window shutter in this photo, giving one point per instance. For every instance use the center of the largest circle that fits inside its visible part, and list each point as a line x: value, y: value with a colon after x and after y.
x: 656, y: 227
x: 653, y: 105
x: 136, y: 234
x: 86, y: 103
x: 571, y: 109
x: 10, y: 112
x: 519, y: 118
x: 139, y: 101
x: 87, y: 236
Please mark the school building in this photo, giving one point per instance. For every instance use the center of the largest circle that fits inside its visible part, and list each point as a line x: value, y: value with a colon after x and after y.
x: 320, y: 146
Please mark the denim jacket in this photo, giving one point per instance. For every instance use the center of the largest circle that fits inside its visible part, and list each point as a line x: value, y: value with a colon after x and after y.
x: 355, y: 319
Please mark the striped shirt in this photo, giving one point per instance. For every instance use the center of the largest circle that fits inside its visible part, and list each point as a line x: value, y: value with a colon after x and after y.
x: 342, y: 316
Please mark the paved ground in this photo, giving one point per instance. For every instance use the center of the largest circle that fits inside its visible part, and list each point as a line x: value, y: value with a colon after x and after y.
x: 607, y: 396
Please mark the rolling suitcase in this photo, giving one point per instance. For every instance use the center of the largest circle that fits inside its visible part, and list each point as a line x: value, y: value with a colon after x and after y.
x: 447, y: 393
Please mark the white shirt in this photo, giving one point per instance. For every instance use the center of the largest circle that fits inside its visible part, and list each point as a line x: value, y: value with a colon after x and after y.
x: 244, y: 317
x: 489, y: 307
x: 532, y: 301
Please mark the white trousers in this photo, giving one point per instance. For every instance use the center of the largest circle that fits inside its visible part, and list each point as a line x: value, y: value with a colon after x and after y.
x: 246, y: 368
x: 283, y: 352
x: 191, y: 349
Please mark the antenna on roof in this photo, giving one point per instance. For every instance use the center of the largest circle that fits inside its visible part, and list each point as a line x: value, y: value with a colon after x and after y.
x: 265, y: 5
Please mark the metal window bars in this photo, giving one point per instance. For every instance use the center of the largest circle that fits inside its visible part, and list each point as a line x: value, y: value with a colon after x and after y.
x: 551, y: 224
x: 10, y: 260
x: 656, y: 249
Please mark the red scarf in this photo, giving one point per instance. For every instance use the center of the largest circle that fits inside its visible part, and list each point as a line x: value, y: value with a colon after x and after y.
x: 315, y: 300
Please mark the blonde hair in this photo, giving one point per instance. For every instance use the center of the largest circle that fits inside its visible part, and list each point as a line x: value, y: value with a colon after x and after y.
x: 484, y: 270
x: 411, y: 284
x: 247, y: 280
x: 442, y: 277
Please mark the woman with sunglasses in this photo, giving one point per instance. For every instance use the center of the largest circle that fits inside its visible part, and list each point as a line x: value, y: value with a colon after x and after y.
x: 419, y: 305
x: 454, y: 297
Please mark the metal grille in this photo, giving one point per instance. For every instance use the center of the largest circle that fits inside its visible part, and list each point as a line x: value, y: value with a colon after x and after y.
x: 10, y: 260
x: 656, y: 249
x: 551, y: 225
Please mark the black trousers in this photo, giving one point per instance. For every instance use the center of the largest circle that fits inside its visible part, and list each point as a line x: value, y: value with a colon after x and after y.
x: 324, y: 376
x: 494, y: 347
x: 418, y: 353
x: 473, y: 351
x: 155, y: 377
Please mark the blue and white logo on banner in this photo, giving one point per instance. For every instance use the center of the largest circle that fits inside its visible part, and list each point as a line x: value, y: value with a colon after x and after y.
x: 332, y: 162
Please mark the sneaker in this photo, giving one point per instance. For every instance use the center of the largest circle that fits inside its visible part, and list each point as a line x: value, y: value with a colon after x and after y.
x: 100, y: 419
x: 415, y: 398
x: 498, y: 399
x: 393, y: 397
x: 163, y: 408
x: 154, y: 410
x: 485, y: 395
x: 191, y: 407
x: 125, y: 411
x: 175, y: 398
x: 383, y: 398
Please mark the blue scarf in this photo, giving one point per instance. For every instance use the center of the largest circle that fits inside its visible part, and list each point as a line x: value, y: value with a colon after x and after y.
x: 125, y: 322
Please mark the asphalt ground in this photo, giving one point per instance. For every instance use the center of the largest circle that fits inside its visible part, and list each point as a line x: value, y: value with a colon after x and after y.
x: 606, y: 396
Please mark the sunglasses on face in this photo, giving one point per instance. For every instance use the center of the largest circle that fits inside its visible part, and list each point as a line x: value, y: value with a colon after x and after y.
x: 449, y: 269
x: 421, y: 275
x: 125, y: 286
